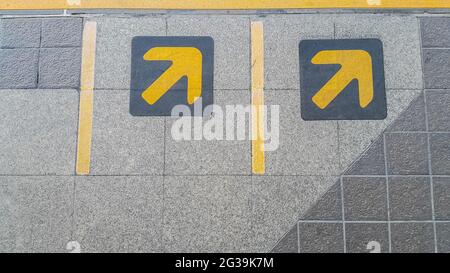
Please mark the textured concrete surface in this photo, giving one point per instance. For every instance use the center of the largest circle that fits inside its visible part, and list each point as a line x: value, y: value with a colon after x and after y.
x: 282, y: 37
x: 118, y: 214
x: 60, y: 32
x: 18, y: 68
x: 122, y: 144
x: 38, y: 132
x: 401, y: 45
x: 415, y: 150
x: 317, y: 139
x: 231, y: 47
x: 207, y: 214
x: 35, y: 213
x: 330, y: 187
x: 50, y: 63
x: 113, y: 60
x: 220, y: 157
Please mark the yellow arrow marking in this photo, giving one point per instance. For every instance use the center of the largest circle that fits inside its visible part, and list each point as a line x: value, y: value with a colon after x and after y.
x: 355, y: 64
x: 186, y: 61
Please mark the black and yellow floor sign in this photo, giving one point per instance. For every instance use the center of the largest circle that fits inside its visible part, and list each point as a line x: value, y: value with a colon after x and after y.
x: 342, y: 80
x: 170, y: 71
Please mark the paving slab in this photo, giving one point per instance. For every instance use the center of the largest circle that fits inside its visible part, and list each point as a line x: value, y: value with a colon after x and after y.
x: 438, y: 110
x: 356, y: 136
x: 316, y: 139
x: 118, y: 214
x: 441, y: 188
x: 289, y: 243
x: 114, y: 35
x: 231, y: 47
x: 436, y: 67
x: 59, y: 67
x: 440, y: 153
x: 401, y: 45
x: 410, y: 199
x: 282, y: 35
x: 321, y: 237
x: 62, y: 32
x: 360, y: 237
x: 220, y: 157
x: 412, y: 237
x: 279, y: 201
x: 443, y: 237
x: 35, y: 213
x: 19, y: 68
x: 412, y: 118
x: 20, y: 33
x: 435, y: 31
x: 365, y: 198
x: 38, y: 132
x: 371, y: 161
x: 123, y: 144
x: 328, y: 207
x: 207, y: 214
x: 407, y: 154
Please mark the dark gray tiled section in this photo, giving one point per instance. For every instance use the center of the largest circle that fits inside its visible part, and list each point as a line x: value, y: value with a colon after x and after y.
x: 59, y: 68
x: 436, y: 68
x: 412, y: 119
x: 365, y: 198
x: 407, y: 153
x: 289, y: 243
x: 412, y: 238
x: 441, y: 186
x: 20, y: 32
x: 35, y: 213
x: 328, y: 207
x: 443, y: 237
x: 435, y: 32
x: 364, y: 238
x: 321, y: 237
x: 18, y: 68
x: 410, y: 198
x: 440, y: 154
x: 62, y: 32
x: 371, y: 161
x: 438, y: 108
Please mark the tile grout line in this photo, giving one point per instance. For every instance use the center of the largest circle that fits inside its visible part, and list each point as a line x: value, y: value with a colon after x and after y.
x: 371, y: 221
x: 163, y: 246
x: 387, y: 192
x: 427, y: 127
x: 430, y: 176
x: 299, y: 250
x: 343, y: 214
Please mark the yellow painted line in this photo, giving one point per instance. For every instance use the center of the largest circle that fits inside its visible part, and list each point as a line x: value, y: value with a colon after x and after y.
x: 355, y: 64
x: 86, y: 99
x: 257, y: 40
x: 222, y: 4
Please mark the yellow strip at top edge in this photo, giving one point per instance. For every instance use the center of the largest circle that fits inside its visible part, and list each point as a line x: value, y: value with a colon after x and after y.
x: 221, y: 4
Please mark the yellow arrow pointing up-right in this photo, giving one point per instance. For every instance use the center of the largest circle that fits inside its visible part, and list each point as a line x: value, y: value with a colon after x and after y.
x: 186, y: 61
x: 355, y: 64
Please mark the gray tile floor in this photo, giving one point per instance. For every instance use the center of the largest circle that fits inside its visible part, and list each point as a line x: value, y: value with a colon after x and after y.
x: 326, y: 185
